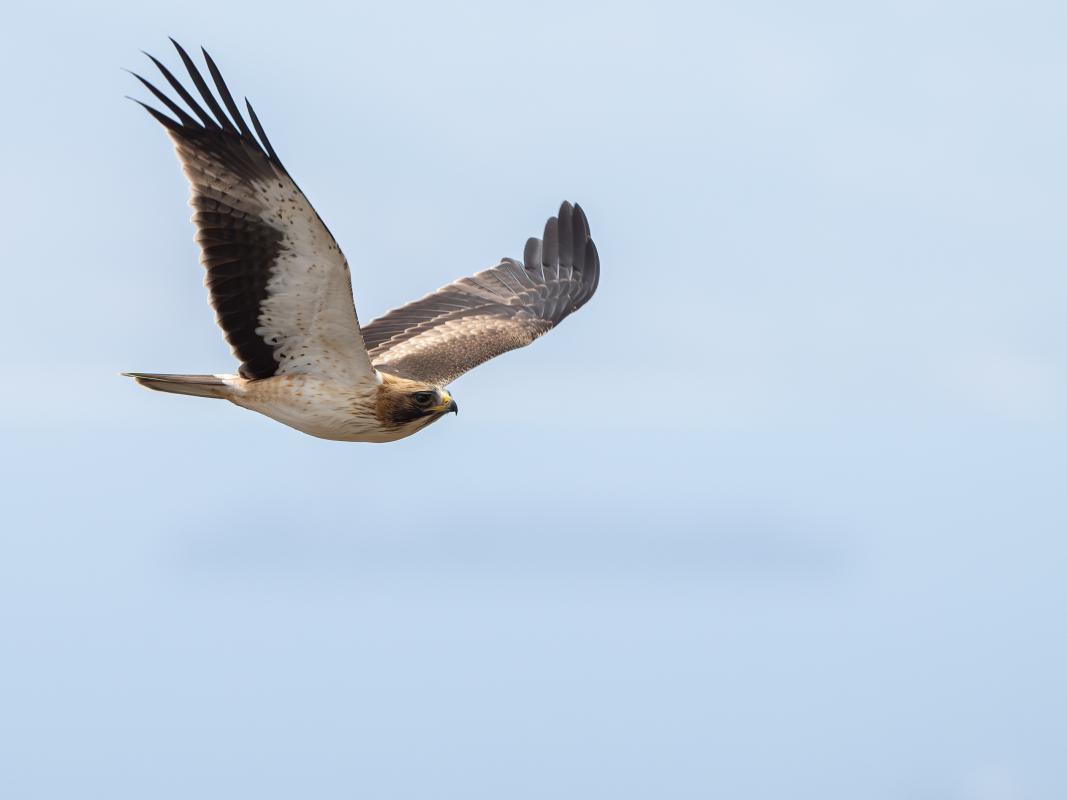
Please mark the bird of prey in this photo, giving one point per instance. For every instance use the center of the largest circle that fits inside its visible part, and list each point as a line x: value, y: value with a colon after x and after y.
x: 282, y: 293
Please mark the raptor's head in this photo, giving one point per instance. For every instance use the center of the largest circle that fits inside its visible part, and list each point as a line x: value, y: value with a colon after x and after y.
x: 408, y: 405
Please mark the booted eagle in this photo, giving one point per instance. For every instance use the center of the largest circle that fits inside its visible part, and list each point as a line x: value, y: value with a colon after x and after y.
x: 282, y: 292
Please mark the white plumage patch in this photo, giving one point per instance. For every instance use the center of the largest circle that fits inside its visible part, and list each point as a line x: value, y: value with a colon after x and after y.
x: 308, y: 316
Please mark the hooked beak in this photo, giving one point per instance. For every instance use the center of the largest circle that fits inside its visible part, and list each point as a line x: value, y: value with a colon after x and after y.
x: 447, y: 405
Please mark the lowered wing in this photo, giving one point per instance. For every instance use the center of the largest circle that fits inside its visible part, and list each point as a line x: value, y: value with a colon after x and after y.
x: 461, y: 325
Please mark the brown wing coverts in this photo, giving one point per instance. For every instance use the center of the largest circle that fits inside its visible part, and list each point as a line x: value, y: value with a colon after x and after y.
x: 464, y: 324
x: 221, y: 160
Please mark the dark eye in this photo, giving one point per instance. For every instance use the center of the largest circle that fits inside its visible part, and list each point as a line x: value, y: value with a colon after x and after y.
x: 423, y: 398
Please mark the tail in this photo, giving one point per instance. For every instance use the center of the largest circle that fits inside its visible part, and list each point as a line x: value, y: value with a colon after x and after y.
x: 196, y: 385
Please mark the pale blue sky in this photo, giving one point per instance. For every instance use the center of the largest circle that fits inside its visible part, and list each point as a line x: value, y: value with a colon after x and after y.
x: 779, y: 514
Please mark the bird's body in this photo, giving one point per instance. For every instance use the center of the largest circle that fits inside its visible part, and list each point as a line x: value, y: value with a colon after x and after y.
x: 331, y: 410
x: 282, y: 292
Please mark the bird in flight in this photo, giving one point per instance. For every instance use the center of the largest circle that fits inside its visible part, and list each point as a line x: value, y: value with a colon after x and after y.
x: 282, y: 291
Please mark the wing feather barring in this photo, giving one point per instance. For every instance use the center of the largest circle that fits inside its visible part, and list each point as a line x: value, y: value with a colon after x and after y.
x: 282, y: 292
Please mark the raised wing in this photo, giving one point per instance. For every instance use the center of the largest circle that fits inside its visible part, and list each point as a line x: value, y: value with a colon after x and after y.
x: 461, y: 325
x: 278, y: 282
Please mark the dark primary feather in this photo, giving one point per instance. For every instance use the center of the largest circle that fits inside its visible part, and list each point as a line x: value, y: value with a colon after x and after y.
x: 463, y: 324
x: 227, y: 98
x: 221, y: 160
x: 205, y: 92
